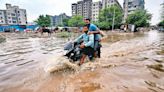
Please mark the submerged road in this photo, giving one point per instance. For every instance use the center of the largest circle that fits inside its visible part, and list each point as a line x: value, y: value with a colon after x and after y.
x: 131, y: 62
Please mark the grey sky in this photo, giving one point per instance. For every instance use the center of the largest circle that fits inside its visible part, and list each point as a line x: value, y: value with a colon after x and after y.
x: 54, y: 7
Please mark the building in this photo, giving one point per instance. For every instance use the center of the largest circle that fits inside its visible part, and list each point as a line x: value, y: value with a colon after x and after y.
x: 96, y: 7
x: 74, y: 9
x: 87, y: 8
x: 2, y: 17
x: 57, y: 20
x: 108, y: 3
x: 82, y: 8
x: 132, y: 5
x: 13, y: 15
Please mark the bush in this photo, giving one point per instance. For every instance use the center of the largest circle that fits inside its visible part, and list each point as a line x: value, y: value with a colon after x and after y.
x: 161, y: 24
x: 2, y: 39
x: 63, y: 34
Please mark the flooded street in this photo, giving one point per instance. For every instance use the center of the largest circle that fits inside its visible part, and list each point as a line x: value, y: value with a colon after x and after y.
x: 130, y: 62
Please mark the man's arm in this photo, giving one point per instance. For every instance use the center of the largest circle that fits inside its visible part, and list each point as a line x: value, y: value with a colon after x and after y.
x: 95, y: 32
x: 93, y: 27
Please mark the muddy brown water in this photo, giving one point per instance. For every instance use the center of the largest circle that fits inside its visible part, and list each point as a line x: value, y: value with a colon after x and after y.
x: 135, y: 62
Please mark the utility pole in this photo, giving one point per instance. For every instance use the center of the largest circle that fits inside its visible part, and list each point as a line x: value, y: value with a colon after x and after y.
x: 113, y: 18
x: 125, y: 10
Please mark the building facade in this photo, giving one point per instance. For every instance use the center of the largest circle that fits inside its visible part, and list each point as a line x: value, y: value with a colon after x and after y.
x: 132, y: 5
x: 87, y: 8
x: 13, y: 15
x: 108, y: 3
x: 74, y: 9
x: 82, y: 8
x: 96, y: 7
x: 57, y: 20
x: 2, y: 17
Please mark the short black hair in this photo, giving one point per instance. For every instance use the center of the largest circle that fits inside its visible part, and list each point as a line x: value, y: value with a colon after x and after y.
x: 85, y: 26
x: 88, y: 19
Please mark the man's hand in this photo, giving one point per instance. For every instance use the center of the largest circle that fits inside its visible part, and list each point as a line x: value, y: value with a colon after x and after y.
x: 102, y: 33
x: 82, y: 46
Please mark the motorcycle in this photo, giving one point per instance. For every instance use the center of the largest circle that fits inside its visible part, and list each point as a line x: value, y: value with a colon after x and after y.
x: 73, y: 51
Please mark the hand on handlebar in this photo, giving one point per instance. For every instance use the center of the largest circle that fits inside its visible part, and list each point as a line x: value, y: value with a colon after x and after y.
x: 82, y: 46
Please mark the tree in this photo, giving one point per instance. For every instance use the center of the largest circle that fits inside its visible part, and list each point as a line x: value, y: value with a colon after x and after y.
x: 106, y: 17
x: 76, y: 21
x: 161, y: 24
x: 140, y: 18
x: 43, y: 21
x: 65, y: 22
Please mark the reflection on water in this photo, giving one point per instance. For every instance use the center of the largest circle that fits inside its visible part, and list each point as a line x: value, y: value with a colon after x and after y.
x: 22, y: 58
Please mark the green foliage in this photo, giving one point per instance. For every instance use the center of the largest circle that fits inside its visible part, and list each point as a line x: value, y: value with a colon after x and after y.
x: 2, y: 39
x: 43, y: 21
x: 105, y: 25
x: 140, y: 18
x: 161, y: 24
x: 63, y: 34
x: 65, y: 22
x: 106, y: 17
x: 76, y: 21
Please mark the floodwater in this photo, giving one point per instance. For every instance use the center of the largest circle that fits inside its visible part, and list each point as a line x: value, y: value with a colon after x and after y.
x: 130, y: 62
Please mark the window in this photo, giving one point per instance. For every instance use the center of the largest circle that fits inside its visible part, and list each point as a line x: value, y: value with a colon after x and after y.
x: 14, y: 22
x: 13, y: 14
x: 0, y: 13
x: 129, y: 6
x: 14, y: 18
x: 129, y: 3
x: 18, y: 12
x: 8, y: 17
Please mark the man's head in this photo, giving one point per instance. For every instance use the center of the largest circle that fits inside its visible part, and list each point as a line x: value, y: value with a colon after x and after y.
x: 85, y: 29
x: 87, y: 21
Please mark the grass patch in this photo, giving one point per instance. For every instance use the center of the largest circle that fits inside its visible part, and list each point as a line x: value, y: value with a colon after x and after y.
x: 63, y: 34
x: 2, y: 39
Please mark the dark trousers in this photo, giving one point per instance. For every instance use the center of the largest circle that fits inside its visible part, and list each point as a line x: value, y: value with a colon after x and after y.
x: 97, y: 48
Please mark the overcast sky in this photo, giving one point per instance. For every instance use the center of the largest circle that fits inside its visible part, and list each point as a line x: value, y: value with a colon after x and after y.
x: 55, y: 7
